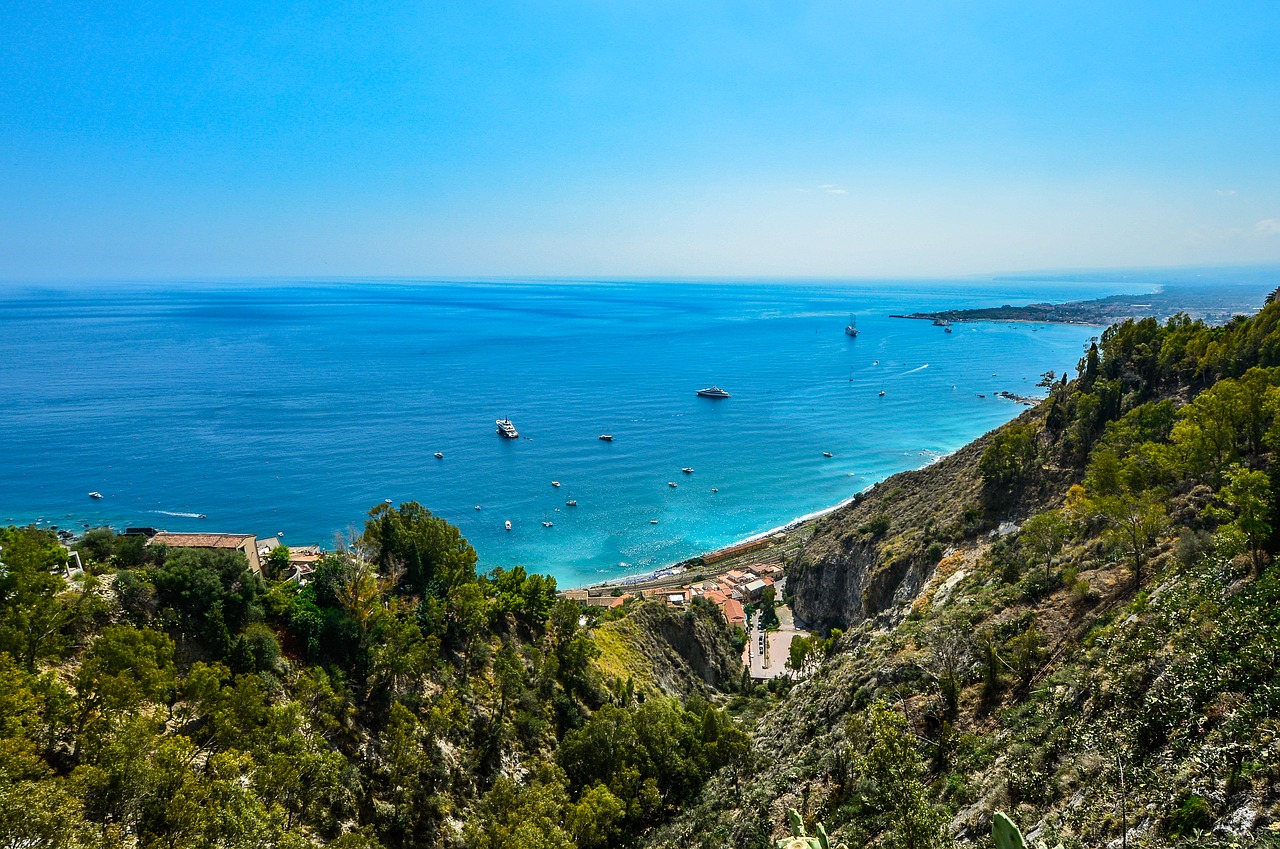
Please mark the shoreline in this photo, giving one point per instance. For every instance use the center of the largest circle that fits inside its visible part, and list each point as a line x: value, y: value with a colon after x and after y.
x: 725, y: 558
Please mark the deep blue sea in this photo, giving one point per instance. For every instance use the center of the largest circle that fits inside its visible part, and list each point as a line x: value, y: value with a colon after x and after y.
x: 292, y: 408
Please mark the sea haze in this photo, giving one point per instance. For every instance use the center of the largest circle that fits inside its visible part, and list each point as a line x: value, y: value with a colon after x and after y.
x: 293, y: 408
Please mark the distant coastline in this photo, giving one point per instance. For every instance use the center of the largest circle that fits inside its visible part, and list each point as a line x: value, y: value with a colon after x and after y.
x: 1212, y: 304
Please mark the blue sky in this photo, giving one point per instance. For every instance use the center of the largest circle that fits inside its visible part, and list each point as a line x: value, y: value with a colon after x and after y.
x: 635, y: 139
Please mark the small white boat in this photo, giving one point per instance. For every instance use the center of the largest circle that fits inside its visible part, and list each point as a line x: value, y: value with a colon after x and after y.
x: 508, y: 523
x: 672, y: 484
x: 572, y: 502
x: 199, y: 515
x: 607, y: 437
x: 713, y: 489
x: 477, y: 506
x: 826, y: 453
x: 653, y: 521
x: 95, y: 494
x: 881, y: 391
x: 687, y: 470
x: 386, y: 501
x: 439, y: 456
x: 555, y: 483
x: 546, y: 524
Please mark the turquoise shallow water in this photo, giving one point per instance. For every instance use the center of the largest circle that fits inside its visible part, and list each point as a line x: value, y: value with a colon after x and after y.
x: 293, y: 408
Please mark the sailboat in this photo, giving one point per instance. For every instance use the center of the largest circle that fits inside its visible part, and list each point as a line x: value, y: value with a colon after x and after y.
x: 851, y: 329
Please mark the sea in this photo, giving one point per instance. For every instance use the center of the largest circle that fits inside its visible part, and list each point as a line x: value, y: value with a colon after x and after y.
x: 291, y: 408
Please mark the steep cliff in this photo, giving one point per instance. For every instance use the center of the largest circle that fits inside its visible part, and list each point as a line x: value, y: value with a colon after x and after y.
x: 676, y: 652
x: 873, y: 556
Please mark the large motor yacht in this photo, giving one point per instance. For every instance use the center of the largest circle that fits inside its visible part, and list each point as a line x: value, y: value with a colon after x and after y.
x: 507, y: 429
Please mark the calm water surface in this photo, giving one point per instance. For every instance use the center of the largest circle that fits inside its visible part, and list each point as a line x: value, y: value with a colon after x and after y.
x: 292, y: 408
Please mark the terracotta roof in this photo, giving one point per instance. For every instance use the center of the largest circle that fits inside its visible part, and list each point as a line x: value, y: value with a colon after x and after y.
x: 733, y: 611
x: 201, y: 540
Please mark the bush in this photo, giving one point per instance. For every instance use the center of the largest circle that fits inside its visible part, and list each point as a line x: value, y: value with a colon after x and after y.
x: 875, y: 527
x: 1192, y: 814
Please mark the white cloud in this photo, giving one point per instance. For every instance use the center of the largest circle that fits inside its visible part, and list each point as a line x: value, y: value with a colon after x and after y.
x: 833, y: 189
x: 1226, y: 193
x: 1268, y: 227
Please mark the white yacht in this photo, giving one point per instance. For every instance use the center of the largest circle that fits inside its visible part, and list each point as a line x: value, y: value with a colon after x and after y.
x: 851, y: 329
x: 713, y: 392
x: 507, y: 429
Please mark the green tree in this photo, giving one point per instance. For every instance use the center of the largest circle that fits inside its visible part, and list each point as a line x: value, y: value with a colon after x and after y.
x: 1132, y: 521
x: 278, y: 561
x: 1248, y: 493
x: 433, y: 553
x: 1044, y: 534
x: 1009, y: 457
x: 531, y: 816
x: 798, y: 653
x: 892, y: 769
x: 595, y: 820
x: 122, y: 672
x: 207, y: 595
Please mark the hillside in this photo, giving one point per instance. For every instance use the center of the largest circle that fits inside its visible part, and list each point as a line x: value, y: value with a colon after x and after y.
x: 173, y: 697
x: 1073, y: 620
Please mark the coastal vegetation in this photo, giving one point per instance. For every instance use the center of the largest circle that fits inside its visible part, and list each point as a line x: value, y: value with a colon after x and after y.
x: 1094, y: 652
x: 1072, y: 620
x: 175, y: 698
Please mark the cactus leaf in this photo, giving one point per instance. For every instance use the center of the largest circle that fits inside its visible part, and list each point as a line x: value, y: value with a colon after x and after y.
x: 1005, y: 833
x: 823, y: 843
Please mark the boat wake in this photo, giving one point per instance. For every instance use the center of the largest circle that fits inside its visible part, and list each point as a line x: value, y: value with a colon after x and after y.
x: 182, y: 515
x: 914, y: 370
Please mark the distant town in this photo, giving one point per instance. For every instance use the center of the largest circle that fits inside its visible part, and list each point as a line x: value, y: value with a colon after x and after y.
x: 1216, y: 304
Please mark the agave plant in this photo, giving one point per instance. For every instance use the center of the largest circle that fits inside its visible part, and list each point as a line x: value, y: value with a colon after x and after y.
x: 800, y: 839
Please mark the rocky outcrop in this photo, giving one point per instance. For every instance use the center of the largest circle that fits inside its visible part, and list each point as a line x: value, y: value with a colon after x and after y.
x: 873, y: 556
x: 676, y: 651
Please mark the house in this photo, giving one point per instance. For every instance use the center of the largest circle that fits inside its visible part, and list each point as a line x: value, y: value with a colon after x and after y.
x: 734, y: 614
x: 302, y: 560
x: 247, y: 544
x: 754, y: 589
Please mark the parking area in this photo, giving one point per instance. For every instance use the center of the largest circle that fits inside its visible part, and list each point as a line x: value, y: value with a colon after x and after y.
x: 766, y: 653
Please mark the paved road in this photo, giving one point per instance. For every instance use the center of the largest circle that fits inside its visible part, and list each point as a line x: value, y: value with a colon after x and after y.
x: 771, y: 662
